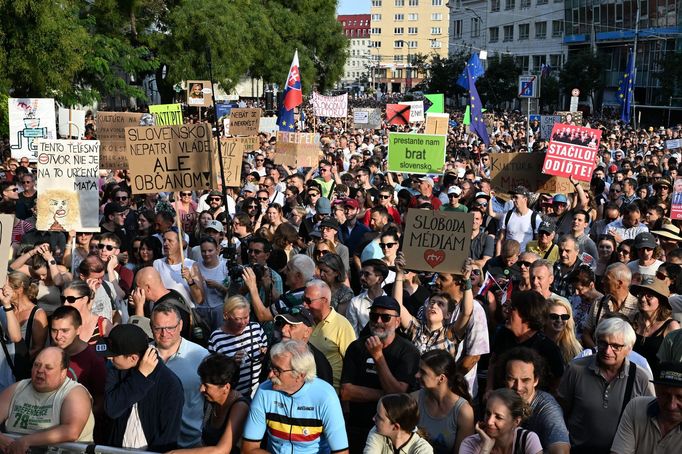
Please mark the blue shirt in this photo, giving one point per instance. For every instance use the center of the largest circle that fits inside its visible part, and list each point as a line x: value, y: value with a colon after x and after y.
x: 308, y: 422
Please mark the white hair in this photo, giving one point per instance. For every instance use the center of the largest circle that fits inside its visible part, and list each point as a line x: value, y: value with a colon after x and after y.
x: 303, y: 264
x: 619, y: 271
x: 302, y: 359
x: 614, y: 326
x: 322, y: 287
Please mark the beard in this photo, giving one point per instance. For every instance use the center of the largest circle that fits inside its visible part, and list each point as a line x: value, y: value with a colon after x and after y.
x: 382, y: 333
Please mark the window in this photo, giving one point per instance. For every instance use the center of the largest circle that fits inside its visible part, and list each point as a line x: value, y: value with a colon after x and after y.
x: 509, y: 4
x: 525, y: 4
x: 435, y: 44
x: 556, y: 61
x: 413, y: 2
x: 595, y: 14
x: 398, y: 58
x: 475, y: 27
x: 557, y: 28
x: 376, y: 31
x: 436, y: 16
x: 412, y: 44
x: 508, y: 33
x: 435, y: 30
x: 412, y: 30
x: 398, y: 44
x: 525, y: 63
x: 457, y: 29
x: 412, y: 16
x: 376, y: 2
x: 376, y: 44
x: 399, y: 2
x: 494, y: 5
x: 539, y: 61
x: 494, y: 34
x: 399, y: 17
x: 436, y: 2
x: 542, y: 2
x: 540, y: 30
x: 376, y: 17
x: 398, y: 31
x: 524, y: 31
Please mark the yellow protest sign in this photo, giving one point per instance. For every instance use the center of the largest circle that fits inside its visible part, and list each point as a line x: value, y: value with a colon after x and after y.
x: 166, y: 114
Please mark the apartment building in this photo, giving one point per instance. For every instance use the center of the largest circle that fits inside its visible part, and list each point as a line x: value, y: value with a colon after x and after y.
x: 356, y: 71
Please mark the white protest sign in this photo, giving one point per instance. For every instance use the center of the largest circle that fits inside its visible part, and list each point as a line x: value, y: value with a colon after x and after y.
x: 74, y: 117
x: 268, y: 125
x: 30, y: 119
x: 416, y: 110
x: 674, y: 143
x: 367, y: 118
x: 330, y: 106
x: 546, y: 125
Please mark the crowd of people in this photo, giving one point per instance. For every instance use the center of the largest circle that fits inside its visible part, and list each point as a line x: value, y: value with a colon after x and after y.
x: 281, y: 316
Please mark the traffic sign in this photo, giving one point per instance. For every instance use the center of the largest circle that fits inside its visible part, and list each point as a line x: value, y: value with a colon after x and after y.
x: 529, y: 87
x: 575, y: 92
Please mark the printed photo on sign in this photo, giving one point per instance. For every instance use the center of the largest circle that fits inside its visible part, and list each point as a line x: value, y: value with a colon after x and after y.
x: 30, y: 119
x: 111, y: 134
x: 570, y: 118
x: 68, y: 195
x: 572, y: 151
x: 416, y: 153
x: 199, y: 93
x: 676, y: 203
x: 437, y: 241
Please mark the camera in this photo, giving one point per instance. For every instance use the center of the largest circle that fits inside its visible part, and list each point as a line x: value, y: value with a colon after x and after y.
x: 236, y: 271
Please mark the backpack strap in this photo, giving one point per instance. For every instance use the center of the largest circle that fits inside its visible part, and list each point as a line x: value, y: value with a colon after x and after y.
x: 632, y: 371
x: 112, y: 298
x: 8, y: 356
x: 29, y: 327
x: 549, y: 251
x: 533, y: 223
x: 517, y: 441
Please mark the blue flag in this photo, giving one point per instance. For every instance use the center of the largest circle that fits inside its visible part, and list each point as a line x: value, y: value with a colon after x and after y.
x: 475, y: 66
x: 626, y: 89
x: 477, y: 124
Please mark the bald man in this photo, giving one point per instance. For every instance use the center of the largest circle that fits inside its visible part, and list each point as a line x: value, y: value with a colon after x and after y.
x: 150, y: 291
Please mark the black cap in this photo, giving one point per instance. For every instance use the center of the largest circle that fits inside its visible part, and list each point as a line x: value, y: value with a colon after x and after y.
x: 112, y: 208
x: 123, y: 339
x: 670, y: 374
x: 547, y: 227
x: 297, y: 316
x: 645, y: 239
x: 330, y: 222
x: 385, y: 302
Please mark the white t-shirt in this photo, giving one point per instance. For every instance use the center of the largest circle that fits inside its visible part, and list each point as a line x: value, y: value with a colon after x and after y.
x: 643, y: 274
x: 519, y: 227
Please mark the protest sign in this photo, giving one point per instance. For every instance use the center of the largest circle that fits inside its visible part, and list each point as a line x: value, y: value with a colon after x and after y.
x: 233, y: 150
x: 68, y: 195
x: 222, y: 110
x: 199, y: 93
x: 166, y: 114
x: 73, y: 117
x: 673, y: 144
x: 509, y: 170
x: 416, y: 110
x: 330, y: 106
x: 111, y: 134
x: 169, y: 158
x: 416, y: 153
x: 436, y: 123
x: 546, y: 125
x: 434, y: 103
x: 6, y: 226
x: 572, y: 151
x: 30, y: 119
x: 397, y: 114
x: 437, y: 241
x: 367, y: 118
x: 676, y: 203
x: 244, y: 122
x: 297, y: 149
x: 268, y: 125
x: 570, y: 118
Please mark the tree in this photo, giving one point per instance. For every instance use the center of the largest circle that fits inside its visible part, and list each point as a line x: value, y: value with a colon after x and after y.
x: 549, y: 92
x: 443, y: 74
x: 670, y: 76
x: 584, y: 71
x: 499, y: 84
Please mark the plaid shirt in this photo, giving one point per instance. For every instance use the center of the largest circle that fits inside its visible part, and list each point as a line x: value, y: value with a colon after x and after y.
x: 561, y: 286
x: 441, y: 339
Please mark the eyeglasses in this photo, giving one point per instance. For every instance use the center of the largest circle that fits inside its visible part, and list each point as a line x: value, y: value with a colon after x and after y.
x: 322, y: 253
x: 215, y: 198
x: 277, y: 371
x: 108, y: 247
x: 71, y: 299
x: 262, y: 198
x: 385, y: 318
x: 306, y: 300
x: 661, y: 276
x: 384, y: 197
x: 603, y: 345
x: 387, y: 245
x: 168, y: 329
x: 476, y: 272
x: 186, y: 194
x: 557, y: 317
x: 255, y: 251
x: 324, y: 170
x: 122, y: 198
x: 524, y: 263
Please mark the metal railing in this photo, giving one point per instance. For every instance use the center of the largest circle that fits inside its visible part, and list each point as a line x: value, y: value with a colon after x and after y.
x: 87, y: 448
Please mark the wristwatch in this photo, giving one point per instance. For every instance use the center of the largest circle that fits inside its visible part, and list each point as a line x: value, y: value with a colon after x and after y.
x: 9, y: 309
x: 52, y: 262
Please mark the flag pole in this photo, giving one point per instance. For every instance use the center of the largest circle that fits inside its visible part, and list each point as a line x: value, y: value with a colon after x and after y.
x: 634, y: 68
x: 215, y: 125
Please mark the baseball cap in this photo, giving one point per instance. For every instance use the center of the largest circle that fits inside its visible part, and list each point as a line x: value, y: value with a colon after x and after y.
x: 351, y: 203
x: 249, y: 187
x: 521, y: 190
x: 645, y: 239
x: 296, y: 316
x: 428, y: 180
x: 124, y: 339
x: 215, y: 225
x: 547, y: 227
x: 112, y: 208
x: 482, y: 195
x: 456, y: 190
x: 331, y: 223
x: 385, y: 302
x: 215, y: 193
x: 142, y: 322
x: 559, y: 198
x: 669, y: 374
x: 461, y: 171
x: 322, y: 206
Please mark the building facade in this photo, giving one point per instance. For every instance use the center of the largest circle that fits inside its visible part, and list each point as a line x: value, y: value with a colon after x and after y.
x: 356, y: 71
x: 402, y: 30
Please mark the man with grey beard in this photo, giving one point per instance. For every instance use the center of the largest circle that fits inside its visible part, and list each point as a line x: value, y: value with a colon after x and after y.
x: 379, y: 364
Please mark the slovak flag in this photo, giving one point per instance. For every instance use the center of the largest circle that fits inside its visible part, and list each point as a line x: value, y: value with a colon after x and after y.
x: 293, y: 97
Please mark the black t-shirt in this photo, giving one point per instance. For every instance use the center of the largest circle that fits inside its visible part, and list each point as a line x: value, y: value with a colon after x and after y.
x: 178, y: 301
x: 324, y: 369
x: 497, y: 269
x: 359, y: 369
x: 505, y: 340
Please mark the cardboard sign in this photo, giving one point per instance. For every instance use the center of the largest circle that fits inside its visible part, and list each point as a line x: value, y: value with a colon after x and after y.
x: 6, y: 226
x: 572, y: 151
x: 111, y: 134
x: 416, y: 153
x: 169, y: 158
x: 546, y: 125
x: 199, y: 93
x: 68, y: 195
x: 367, y: 118
x: 509, y: 170
x: 30, y: 119
x: 233, y: 150
x: 73, y: 117
x: 673, y: 144
x: 397, y: 114
x: 570, y: 118
x: 437, y: 241
x: 416, y: 110
x: 244, y: 122
x: 330, y: 106
x: 166, y: 114
x: 676, y: 203
x: 436, y: 123
x: 297, y: 149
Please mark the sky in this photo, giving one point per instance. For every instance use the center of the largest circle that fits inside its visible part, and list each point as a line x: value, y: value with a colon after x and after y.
x: 353, y: 7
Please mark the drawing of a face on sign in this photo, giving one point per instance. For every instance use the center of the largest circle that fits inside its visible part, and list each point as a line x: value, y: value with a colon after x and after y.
x: 62, y: 207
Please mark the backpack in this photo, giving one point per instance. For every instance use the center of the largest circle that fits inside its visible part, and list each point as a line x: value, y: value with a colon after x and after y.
x: 199, y: 330
x: 533, y: 221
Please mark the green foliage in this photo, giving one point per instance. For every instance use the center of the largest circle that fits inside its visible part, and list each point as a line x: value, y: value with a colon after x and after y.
x: 584, y: 71
x: 443, y: 74
x: 500, y: 83
x: 670, y: 77
x: 549, y: 91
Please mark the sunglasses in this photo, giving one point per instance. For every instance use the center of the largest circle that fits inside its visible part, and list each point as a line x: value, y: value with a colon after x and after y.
x: 260, y: 160
x: 476, y: 272
x: 27, y: 182
x: 262, y: 198
x: 186, y: 194
x: 121, y: 198
x: 215, y: 199
x: 384, y: 197
x: 481, y: 205
x: 313, y: 194
x: 387, y: 245
x: 385, y: 318
x: 108, y: 247
x: 524, y: 263
x: 661, y: 276
x: 557, y: 317
x: 70, y: 299
x: 322, y: 253
x: 453, y: 196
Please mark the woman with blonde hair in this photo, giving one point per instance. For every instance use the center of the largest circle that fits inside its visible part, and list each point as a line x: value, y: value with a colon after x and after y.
x: 560, y: 327
x: 241, y: 339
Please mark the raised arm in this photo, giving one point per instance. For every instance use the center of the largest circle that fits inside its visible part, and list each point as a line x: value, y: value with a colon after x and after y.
x: 467, y: 309
x: 405, y: 316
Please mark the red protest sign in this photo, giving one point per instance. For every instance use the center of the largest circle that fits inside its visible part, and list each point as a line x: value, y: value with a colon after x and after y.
x: 397, y: 114
x: 572, y: 152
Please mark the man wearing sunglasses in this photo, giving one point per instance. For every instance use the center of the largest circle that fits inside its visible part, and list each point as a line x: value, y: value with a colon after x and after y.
x: 544, y: 246
x: 108, y: 249
x: 375, y: 365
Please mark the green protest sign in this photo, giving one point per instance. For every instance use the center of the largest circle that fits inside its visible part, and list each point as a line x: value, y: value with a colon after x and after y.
x: 437, y: 101
x: 166, y: 114
x: 416, y: 153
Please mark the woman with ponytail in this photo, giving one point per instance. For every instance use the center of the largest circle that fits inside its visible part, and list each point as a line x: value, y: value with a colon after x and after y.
x: 445, y: 413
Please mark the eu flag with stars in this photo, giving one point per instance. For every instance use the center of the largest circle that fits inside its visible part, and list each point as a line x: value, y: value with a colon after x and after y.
x: 626, y: 89
x: 477, y: 124
x: 475, y: 66
x: 293, y: 97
